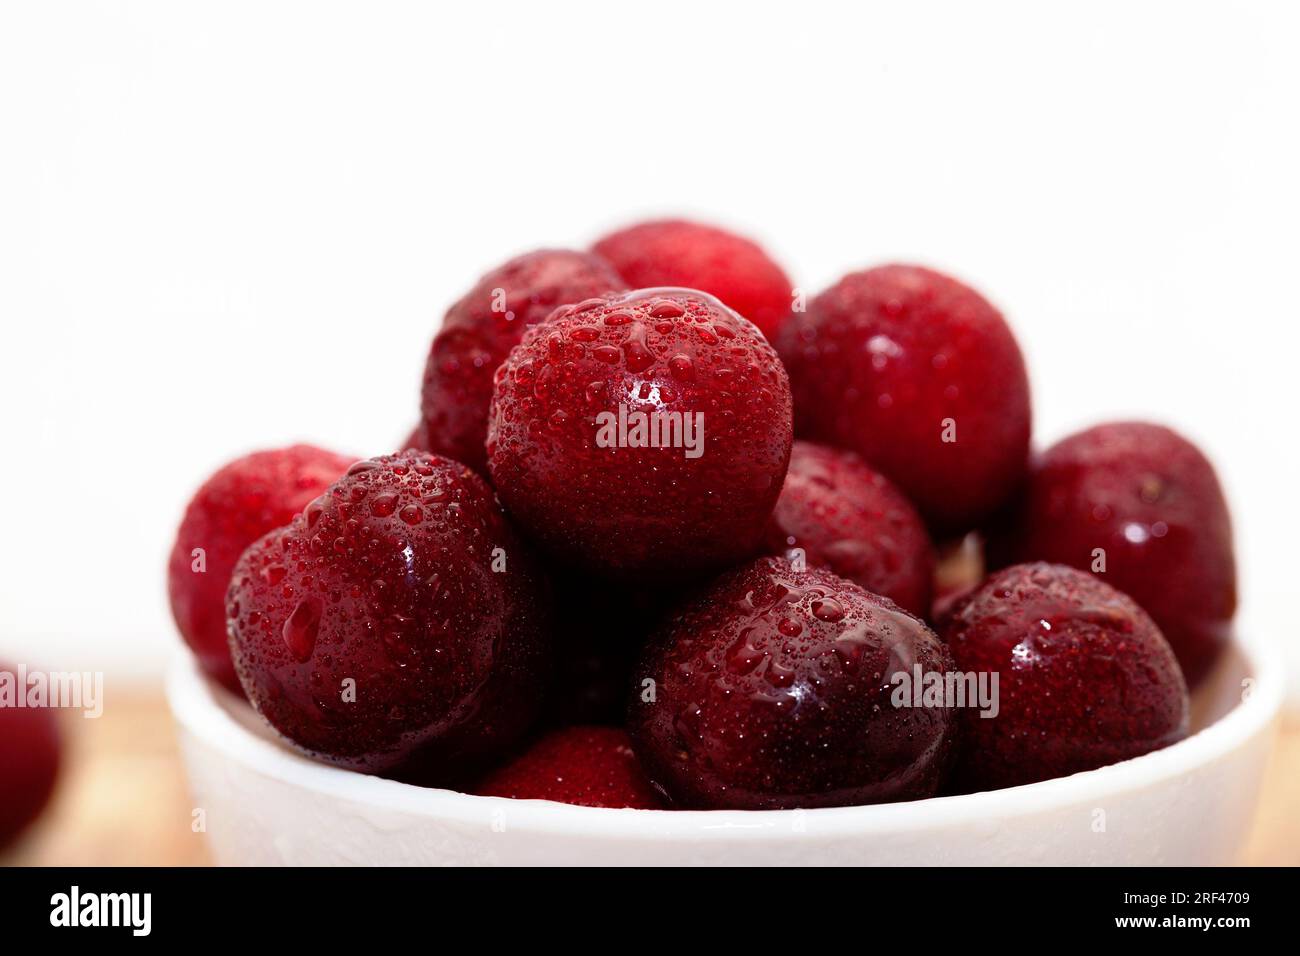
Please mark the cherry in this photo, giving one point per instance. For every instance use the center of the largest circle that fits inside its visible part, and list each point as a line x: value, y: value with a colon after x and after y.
x: 776, y: 689
x: 397, y: 625
x: 237, y: 505
x: 921, y: 376
x: 588, y: 766
x: 1084, y: 677
x: 478, y: 332
x: 674, y: 252
x: 836, y: 512
x: 29, y: 762
x: 1143, y: 507
x: 642, y: 436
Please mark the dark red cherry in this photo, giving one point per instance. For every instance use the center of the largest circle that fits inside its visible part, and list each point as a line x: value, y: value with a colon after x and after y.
x: 478, y: 332
x: 397, y: 625
x: 776, y: 689
x: 642, y: 436
x: 237, y: 505
x: 1141, y: 507
x: 675, y: 252
x: 30, y: 754
x: 837, y: 512
x: 588, y: 766
x: 1085, y: 678
x: 921, y: 376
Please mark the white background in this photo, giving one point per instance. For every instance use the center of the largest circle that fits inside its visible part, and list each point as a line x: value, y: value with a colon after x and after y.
x: 229, y: 227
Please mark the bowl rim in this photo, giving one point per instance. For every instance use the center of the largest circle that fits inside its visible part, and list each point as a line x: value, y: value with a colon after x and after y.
x: 193, y: 699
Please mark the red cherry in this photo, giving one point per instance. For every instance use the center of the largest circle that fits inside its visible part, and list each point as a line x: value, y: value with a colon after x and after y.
x: 1084, y: 677
x: 1143, y: 506
x: 29, y: 762
x: 241, y: 502
x: 776, y: 689
x: 841, y: 514
x: 397, y: 625
x: 691, y: 255
x: 479, y: 331
x: 921, y: 376
x: 643, y: 435
x: 588, y: 766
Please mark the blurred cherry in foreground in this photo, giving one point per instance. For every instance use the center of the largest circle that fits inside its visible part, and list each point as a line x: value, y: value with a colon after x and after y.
x: 29, y: 759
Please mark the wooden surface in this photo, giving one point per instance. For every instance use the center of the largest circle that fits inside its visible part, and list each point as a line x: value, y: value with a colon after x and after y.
x: 122, y: 797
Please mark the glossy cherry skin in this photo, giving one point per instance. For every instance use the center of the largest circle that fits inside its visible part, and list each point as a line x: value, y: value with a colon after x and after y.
x: 1148, y: 499
x: 237, y: 505
x: 478, y: 332
x: 587, y: 766
x: 1085, y: 677
x: 837, y: 512
x: 397, y: 626
x: 573, y: 470
x: 775, y: 689
x: 691, y: 255
x: 30, y: 755
x: 921, y: 376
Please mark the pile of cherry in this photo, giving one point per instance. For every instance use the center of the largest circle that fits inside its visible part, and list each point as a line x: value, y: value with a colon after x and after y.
x: 604, y: 570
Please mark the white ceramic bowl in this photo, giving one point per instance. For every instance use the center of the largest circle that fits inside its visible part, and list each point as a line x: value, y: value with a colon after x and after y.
x: 1191, y: 803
